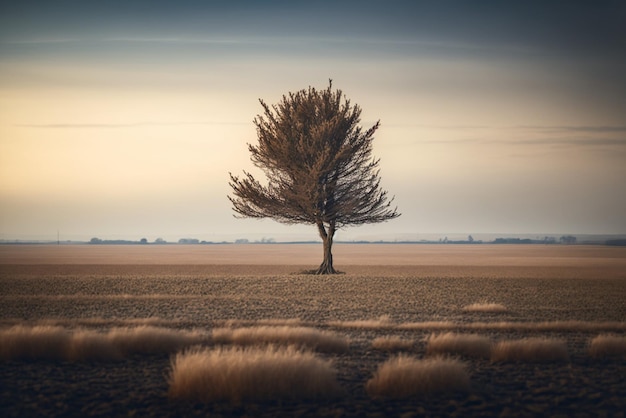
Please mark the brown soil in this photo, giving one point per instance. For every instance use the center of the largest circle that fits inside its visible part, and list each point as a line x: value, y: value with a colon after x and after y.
x: 207, y: 286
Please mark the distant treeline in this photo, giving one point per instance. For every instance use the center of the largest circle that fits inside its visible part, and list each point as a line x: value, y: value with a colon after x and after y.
x: 116, y: 241
x: 566, y: 239
x: 521, y: 241
x: 193, y: 241
x: 144, y: 241
x: 617, y: 242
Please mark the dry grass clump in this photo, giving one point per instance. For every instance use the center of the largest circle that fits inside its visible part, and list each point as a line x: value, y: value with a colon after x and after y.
x: 29, y: 343
x: 576, y: 326
x: 311, y: 338
x: 485, y: 308
x: 470, y: 345
x: 530, y: 349
x: 559, y: 326
x: 383, y: 321
x: 608, y: 345
x: 292, y: 322
x: 57, y: 343
x: 404, y: 376
x: 392, y: 343
x: 232, y: 323
x: 148, y: 339
x: 97, y: 322
x: 91, y: 345
x: 427, y: 325
x: 153, y: 321
x: 258, y: 373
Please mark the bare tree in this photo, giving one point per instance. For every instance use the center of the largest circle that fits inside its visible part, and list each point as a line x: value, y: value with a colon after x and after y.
x: 318, y: 165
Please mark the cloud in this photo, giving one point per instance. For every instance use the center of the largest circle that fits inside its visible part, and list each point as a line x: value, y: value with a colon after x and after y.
x: 576, y: 128
x: 587, y: 141
x: 607, y: 136
x: 121, y: 125
x: 43, y: 41
x: 572, y: 135
x: 389, y: 45
x: 539, y: 128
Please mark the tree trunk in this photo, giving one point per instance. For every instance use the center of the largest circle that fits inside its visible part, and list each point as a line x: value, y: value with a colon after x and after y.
x: 327, y: 238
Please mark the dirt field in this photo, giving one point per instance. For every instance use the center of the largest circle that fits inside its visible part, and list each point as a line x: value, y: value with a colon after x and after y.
x: 565, y: 293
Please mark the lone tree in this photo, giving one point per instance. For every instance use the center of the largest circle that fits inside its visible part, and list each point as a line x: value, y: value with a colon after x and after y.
x: 319, y: 167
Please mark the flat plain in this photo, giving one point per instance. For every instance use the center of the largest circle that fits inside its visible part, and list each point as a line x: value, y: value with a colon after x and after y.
x: 400, y: 295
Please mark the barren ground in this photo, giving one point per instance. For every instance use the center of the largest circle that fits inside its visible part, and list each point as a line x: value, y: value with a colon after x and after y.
x: 578, y: 291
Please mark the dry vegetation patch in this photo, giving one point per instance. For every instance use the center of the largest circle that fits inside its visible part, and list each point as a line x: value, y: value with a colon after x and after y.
x: 559, y: 326
x: 470, y: 345
x: 404, y: 376
x: 428, y: 325
x: 392, y: 343
x: 530, y: 349
x: 91, y: 345
x: 273, y: 322
x: 260, y: 373
x: 380, y: 323
x: 485, y: 307
x: 149, y: 339
x: 58, y: 343
x: 38, y: 342
x: 608, y: 345
x: 311, y: 338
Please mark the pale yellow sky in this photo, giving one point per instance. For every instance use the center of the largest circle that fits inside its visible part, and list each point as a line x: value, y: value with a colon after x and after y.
x: 134, y: 136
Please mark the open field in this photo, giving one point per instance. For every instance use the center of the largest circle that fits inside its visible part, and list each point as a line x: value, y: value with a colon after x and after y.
x: 110, y: 330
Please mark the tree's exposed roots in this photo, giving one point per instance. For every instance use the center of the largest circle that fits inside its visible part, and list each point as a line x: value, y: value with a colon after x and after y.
x: 326, y: 270
x: 320, y: 271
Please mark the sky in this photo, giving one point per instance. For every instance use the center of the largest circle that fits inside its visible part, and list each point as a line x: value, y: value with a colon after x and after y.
x: 123, y: 119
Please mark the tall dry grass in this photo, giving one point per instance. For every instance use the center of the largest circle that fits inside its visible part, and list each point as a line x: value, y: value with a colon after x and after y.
x: 381, y: 322
x: 485, y: 307
x: 91, y: 345
x: 233, y: 323
x: 259, y: 373
x: 558, y: 326
x: 57, y: 343
x: 404, y: 376
x: 39, y: 342
x: 608, y: 345
x: 470, y: 345
x: 428, y: 325
x: 392, y: 343
x: 530, y: 349
x: 311, y: 338
x: 148, y: 339
x: 98, y: 322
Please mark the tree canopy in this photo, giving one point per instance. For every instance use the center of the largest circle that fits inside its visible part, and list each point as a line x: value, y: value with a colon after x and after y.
x: 319, y: 167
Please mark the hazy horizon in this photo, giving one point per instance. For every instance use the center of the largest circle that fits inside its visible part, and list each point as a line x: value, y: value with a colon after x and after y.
x: 341, y: 237
x: 123, y: 119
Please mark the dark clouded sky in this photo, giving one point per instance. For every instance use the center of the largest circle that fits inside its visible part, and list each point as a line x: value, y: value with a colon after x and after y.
x: 123, y: 118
